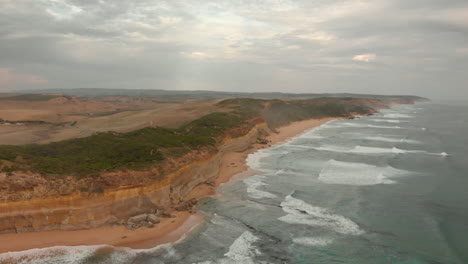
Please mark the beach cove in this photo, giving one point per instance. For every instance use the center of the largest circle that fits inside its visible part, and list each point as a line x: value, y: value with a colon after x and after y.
x: 169, y: 230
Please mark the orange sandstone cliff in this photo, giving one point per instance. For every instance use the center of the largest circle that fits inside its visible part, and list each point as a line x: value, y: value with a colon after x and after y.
x: 32, y: 205
x: 84, y: 210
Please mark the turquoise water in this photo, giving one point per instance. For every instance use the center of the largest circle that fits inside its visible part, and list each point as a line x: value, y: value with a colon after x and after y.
x: 390, y: 188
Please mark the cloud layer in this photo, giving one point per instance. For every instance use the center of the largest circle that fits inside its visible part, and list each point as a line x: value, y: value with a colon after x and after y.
x: 379, y: 46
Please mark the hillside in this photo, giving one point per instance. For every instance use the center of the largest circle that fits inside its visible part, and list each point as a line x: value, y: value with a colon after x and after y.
x: 98, y: 179
x: 181, y: 94
x: 162, y: 148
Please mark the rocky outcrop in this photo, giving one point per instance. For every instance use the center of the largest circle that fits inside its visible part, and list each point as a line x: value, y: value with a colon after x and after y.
x: 143, y: 220
x: 132, y: 206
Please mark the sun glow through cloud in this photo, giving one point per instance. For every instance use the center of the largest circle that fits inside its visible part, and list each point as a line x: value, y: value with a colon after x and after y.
x: 365, y: 57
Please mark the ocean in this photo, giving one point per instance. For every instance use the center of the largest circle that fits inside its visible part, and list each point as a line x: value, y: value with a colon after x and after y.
x: 387, y: 188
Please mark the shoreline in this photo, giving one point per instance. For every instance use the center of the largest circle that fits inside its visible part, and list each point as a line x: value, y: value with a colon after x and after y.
x: 169, y: 230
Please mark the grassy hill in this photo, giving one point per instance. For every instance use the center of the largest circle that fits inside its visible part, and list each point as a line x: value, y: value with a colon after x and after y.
x: 151, y: 146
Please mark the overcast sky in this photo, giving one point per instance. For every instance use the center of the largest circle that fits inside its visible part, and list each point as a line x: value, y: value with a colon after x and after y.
x: 377, y: 46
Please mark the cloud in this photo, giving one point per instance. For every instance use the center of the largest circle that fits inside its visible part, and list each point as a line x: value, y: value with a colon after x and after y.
x: 11, y: 80
x: 365, y: 57
x: 462, y: 51
x: 321, y: 37
x: 262, y: 45
x: 196, y: 55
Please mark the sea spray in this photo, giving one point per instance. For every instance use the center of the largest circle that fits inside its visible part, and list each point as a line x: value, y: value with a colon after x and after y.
x: 353, y: 173
x: 302, y: 213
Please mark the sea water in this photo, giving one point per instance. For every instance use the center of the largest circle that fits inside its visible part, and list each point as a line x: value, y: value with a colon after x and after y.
x: 388, y: 188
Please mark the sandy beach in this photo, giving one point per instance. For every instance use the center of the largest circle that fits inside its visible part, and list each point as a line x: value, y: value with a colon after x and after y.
x: 170, y: 229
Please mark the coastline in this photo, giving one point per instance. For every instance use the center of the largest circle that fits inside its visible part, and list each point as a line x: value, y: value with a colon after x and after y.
x: 170, y: 230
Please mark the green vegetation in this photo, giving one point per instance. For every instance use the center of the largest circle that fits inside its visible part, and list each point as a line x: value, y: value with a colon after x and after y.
x: 112, y: 151
x: 284, y: 112
x: 30, y: 97
x: 212, y: 126
x: 9, y: 169
x: 109, y: 151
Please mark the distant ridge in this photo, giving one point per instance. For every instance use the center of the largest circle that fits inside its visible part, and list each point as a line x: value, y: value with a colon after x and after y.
x: 201, y: 94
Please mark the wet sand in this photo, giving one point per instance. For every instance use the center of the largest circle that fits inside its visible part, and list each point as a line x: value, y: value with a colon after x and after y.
x: 170, y: 230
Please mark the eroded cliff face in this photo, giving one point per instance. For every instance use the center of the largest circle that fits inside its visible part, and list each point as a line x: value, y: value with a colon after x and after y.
x: 31, y: 203
x: 86, y: 210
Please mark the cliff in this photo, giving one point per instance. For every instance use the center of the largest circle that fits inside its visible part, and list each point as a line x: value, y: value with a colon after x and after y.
x: 145, y: 171
x: 82, y: 210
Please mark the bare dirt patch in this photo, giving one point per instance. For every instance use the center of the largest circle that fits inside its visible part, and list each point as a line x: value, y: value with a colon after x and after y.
x: 67, y: 117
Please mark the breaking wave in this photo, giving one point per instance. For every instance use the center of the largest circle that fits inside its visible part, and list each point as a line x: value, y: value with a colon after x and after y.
x: 240, y: 251
x: 253, y: 183
x: 350, y: 125
x: 367, y: 150
x: 254, y: 159
x: 302, y: 213
x: 391, y: 115
x: 391, y: 140
x: 353, y: 173
x: 313, y: 241
x: 394, y: 121
x: 64, y: 254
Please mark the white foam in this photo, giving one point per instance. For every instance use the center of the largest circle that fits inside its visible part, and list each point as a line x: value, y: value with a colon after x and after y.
x: 280, y: 172
x: 255, y: 182
x: 330, y: 148
x: 322, y: 126
x: 344, y: 125
x: 312, y: 133
x: 370, y: 150
x: 242, y: 250
x: 313, y: 241
x: 353, y: 173
x: 349, y: 124
x: 366, y: 150
x: 361, y: 149
x: 302, y: 213
x: 297, y: 146
x: 254, y: 160
x: 394, y: 121
x: 63, y: 254
x: 443, y: 154
x: 312, y: 137
x: 387, y: 127
x: 390, y: 115
x: 391, y: 140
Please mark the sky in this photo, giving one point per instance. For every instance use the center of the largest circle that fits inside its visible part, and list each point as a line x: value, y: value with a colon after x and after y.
x: 417, y: 47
